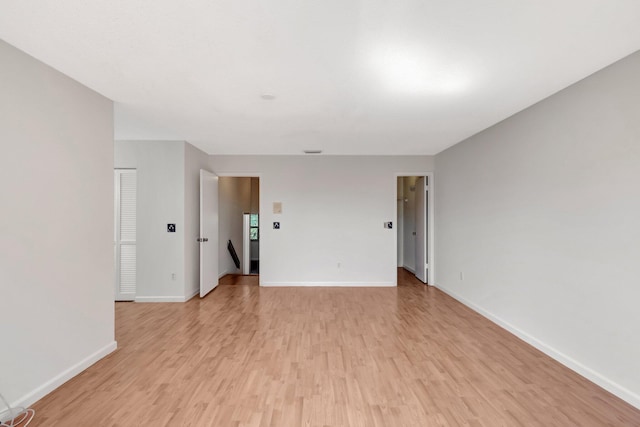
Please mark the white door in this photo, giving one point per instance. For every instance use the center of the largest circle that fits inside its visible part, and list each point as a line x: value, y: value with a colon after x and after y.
x: 421, y: 229
x: 125, y: 234
x: 208, y: 232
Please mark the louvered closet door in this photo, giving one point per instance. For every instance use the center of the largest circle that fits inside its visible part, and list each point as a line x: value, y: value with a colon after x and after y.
x: 125, y: 234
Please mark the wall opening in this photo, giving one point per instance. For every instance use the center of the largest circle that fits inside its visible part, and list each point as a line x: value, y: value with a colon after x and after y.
x: 413, y: 225
x: 239, y: 222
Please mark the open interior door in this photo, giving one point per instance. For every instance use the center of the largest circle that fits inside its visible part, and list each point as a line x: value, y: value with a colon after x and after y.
x: 421, y: 229
x: 208, y: 232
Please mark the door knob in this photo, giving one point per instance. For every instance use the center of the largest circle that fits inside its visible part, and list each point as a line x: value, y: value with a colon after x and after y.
x: 202, y: 239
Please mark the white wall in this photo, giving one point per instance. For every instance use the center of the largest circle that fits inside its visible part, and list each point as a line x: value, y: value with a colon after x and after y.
x: 161, y: 200
x: 194, y: 160
x: 234, y: 198
x: 56, y: 251
x: 541, y: 214
x: 333, y: 212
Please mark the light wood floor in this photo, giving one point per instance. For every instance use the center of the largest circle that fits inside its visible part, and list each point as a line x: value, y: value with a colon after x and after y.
x: 251, y: 356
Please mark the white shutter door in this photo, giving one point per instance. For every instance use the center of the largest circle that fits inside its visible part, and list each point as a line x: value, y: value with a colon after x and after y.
x: 125, y: 235
x: 128, y: 206
x: 127, y: 272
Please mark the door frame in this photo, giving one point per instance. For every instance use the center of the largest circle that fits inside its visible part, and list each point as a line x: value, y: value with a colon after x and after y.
x: 260, y: 216
x: 430, y: 222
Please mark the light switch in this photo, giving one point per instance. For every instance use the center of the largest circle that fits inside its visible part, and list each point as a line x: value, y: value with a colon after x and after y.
x: 388, y: 225
x: 277, y: 207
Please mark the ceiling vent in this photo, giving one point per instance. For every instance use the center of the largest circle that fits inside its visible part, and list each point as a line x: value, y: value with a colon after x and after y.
x: 312, y: 151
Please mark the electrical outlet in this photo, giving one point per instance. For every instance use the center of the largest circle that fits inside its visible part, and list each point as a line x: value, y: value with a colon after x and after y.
x: 173, y: 276
x: 339, y: 264
x: 461, y: 276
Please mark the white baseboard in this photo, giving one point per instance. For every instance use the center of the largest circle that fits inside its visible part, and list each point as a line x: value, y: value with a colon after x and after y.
x: 169, y: 298
x: 55, y: 382
x: 329, y: 284
x: 193, y: 294
x: 224, y: 273
x: 161, y: 299
x: 593, y: 376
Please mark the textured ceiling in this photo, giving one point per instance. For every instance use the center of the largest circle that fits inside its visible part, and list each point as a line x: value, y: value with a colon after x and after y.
x: 348, y: 77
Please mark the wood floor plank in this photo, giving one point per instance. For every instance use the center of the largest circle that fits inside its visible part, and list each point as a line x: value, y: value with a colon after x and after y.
x: 252, y: 356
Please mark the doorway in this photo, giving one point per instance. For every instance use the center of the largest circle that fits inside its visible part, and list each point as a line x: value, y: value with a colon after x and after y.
x: 251, y: 243
x: 414, y: 229
x: 239, y: 225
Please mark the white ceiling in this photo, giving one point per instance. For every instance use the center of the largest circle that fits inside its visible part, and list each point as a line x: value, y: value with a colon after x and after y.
x: 349, y: 77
